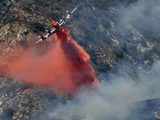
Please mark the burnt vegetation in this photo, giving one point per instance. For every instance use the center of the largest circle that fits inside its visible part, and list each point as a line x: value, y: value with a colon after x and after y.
x: 97, y: 32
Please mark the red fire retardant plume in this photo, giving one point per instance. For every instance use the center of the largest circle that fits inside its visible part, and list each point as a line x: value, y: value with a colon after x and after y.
x: 65, y: 67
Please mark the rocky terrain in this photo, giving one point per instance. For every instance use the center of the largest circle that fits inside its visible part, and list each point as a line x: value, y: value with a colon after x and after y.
x: 102, y: 27
x: 19, y: 21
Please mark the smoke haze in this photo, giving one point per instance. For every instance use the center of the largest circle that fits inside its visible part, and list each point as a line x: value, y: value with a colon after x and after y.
x: 132, y: 29
x: 113, y: 100
x: 130, y: 26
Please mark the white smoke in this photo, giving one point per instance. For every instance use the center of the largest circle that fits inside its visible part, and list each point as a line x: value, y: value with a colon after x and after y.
x: 115, y: 98
x: 143, y: 15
